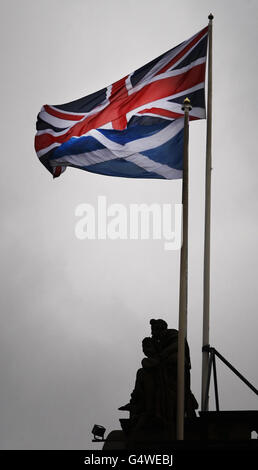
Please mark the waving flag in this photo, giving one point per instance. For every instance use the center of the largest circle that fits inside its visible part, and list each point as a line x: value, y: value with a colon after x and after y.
x: 132, y: 128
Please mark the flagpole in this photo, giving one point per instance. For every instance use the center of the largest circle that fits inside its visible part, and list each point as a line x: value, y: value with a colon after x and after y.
x: 206, y: 267
x: 182, y: 327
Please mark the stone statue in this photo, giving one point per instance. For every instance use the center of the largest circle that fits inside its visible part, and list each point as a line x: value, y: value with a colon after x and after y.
x: 153, y: 400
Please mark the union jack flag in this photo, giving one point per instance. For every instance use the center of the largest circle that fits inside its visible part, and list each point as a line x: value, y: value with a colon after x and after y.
x: 134, y: 127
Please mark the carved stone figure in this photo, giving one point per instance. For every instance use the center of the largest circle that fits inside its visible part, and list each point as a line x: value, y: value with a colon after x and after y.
x: 153, y: 400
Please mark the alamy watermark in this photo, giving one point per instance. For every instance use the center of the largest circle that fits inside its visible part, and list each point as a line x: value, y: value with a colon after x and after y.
x: 132, y: 222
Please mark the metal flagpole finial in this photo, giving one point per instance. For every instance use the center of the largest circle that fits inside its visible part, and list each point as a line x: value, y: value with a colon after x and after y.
x: 210, y: 17
x: 187, y: 105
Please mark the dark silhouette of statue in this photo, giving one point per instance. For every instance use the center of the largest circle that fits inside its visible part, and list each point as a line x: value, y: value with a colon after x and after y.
x: 154, y: 398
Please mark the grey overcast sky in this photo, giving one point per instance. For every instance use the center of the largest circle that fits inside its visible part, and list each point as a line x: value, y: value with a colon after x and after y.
x: 73, y: 313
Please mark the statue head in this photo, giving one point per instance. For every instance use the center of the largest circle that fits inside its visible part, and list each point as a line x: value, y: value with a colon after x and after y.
x: 147, y: 347
x: 158, y: 328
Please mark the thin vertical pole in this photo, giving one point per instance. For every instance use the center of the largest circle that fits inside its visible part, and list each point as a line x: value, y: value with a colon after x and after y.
x: 206, y: 397
x: 206, y: 268
x: 183, y: 284
x: 215, y: 382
